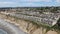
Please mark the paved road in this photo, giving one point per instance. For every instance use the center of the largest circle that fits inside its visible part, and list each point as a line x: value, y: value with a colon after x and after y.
x: 10, y: 28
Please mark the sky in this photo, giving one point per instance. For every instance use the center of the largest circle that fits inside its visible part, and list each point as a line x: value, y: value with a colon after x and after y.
x: 29, y: 3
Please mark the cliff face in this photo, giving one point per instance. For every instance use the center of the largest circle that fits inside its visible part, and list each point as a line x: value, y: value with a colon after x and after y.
x: 25, y: 25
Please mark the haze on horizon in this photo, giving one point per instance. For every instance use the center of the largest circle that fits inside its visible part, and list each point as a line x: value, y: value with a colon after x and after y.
x: 29, y: 3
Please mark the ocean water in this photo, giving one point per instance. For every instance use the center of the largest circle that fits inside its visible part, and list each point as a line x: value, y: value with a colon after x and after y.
x: 11, y: 29
x: 2, y: 31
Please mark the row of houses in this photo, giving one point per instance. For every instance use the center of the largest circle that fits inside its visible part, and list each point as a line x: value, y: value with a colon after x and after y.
x: 37, y: 14
x: 48, y: 19
x: 44, y: 19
